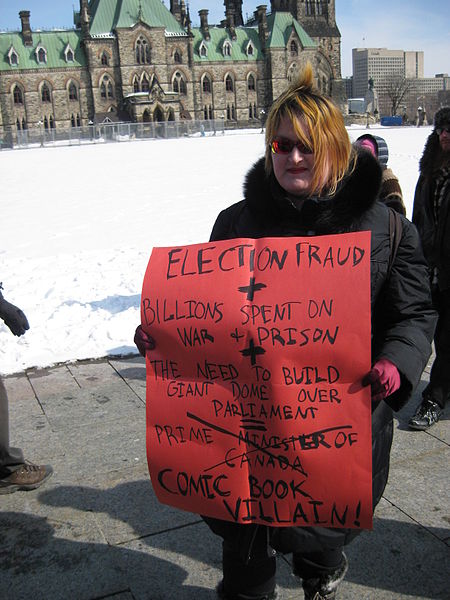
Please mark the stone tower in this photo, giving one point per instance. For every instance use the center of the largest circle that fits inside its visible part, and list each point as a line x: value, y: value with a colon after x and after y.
x: 314, y: 10
x: 318, y: 19
x: 282, y: 5
x: 84, y: 18
x: 234, y: 7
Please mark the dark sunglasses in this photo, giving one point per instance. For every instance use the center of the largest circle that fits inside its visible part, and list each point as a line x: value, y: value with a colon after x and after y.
x: 286, y: 147
x: 440, y: 130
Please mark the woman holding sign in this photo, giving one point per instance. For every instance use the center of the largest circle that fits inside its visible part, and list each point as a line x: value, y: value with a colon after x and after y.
x: 312, y: 182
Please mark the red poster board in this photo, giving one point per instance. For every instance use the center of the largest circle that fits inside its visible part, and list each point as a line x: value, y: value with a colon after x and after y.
x: 255, y: 412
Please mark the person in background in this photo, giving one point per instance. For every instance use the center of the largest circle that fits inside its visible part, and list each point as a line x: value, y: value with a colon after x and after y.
x: 15, y: 473
x: 390, y: 191
x: 431, y: 215
x: 313, y: 182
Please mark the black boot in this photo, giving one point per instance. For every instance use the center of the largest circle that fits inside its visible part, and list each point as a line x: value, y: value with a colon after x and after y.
x: 325, y: 586
x: 428, y: 413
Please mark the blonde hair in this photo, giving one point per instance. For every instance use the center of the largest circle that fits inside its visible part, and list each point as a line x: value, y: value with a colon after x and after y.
x: 325, y: 135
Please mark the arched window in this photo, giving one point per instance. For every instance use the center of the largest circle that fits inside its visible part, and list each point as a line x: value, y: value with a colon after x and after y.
x: 70, y: 56
x: 206, y: 84
x: 251, y: 83
x: 104, y: 59
x: 13, y: 57
x: 45, y: 123
x: 158, y: 115
x: 136, y: 87
x: 41, y: 55
x: 73, y: 92
x: 203, y: 50
x: 294, y: 48
x: 145, y: 84
x: 78, y: 121
x: 106, y: 88
x: 229, y: 85
x: 177, y: 57
x: 142, y: 50
x: 179, y: 84
x: 17, y: 95
x: 250, y: 49
x: 52, y: 122
x: 18, y: 125
x: 226, y: 49
x: 45, y: 93
x: 72, y: 121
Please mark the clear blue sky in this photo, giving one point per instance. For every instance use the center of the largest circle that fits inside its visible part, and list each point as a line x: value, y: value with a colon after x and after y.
x: 393, y: 24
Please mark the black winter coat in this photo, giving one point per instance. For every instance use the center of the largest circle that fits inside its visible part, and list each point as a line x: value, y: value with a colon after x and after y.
x: 403, y: 320
x: 435, y: 237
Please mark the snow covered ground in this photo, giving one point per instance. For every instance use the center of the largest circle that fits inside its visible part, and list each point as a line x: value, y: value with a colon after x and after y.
x: 78, y: 223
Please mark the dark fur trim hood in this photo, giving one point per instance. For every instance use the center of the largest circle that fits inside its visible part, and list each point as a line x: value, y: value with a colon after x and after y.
x: 430, y: 155
x: 356, y: 193
x: 442, y: 117
x: 431, y: 151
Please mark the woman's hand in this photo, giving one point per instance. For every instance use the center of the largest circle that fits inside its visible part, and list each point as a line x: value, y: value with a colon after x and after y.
x: 384, y: 379
x: 143, y: 341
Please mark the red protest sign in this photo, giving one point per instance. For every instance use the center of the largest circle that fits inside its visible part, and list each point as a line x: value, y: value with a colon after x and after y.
x: 255, y: 412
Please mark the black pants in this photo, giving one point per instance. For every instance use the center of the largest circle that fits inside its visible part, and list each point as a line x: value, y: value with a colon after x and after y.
x: 438, y: 389
x: 249, y: 562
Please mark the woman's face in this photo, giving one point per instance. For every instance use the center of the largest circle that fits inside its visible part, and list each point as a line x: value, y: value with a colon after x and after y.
x: 293, y: 170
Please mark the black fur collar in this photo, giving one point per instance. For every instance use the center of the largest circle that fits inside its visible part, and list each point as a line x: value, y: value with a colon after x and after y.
x: 355, y: 195
x: 432, y: 156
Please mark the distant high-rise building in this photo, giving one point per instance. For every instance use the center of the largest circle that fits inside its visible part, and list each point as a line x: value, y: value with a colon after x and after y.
x: 396, y: 73
x: 379, y: 64
x: 386, y: 69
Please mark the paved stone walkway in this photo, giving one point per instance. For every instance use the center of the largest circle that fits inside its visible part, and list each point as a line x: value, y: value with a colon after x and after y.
x: 96, y: 531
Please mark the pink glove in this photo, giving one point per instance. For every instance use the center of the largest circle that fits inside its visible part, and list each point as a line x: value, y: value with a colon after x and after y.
x: 143, y: 341
x: 384, y: 379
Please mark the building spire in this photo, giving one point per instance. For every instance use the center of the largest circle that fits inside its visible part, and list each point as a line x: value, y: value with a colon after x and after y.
x: 84, y: 17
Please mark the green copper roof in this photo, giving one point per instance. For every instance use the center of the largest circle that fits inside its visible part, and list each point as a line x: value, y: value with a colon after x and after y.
x: 108, y: 15
x: 280, y: 25
x: 54, y: 42
x: 219, y: 35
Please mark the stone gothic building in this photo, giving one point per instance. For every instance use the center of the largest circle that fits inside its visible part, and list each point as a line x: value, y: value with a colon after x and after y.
x: 139, y: 61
